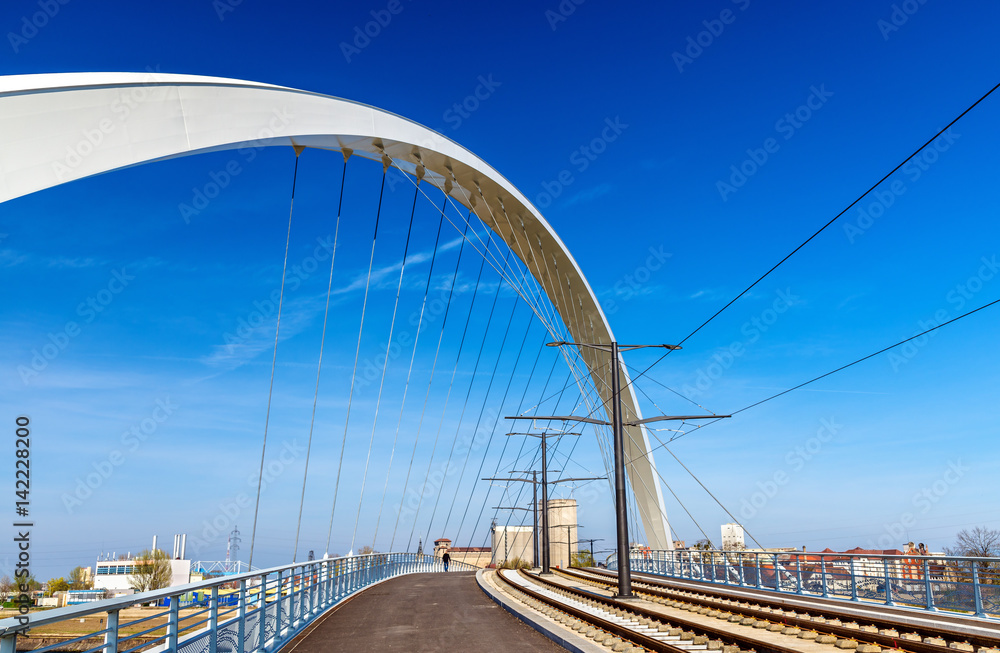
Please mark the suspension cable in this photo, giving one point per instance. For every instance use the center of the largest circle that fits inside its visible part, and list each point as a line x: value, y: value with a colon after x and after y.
x: 451, y: 385
x: 319, y: 365
x: 479, y: 421
x: 496, y: 422
x: 385, y: 367
x: 274, y: 358
x: 357, y: 354
x: 406, y: 386
x: 430, y: 382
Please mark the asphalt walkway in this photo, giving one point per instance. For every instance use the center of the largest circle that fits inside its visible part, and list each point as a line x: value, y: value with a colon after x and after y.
x: 421, y: 612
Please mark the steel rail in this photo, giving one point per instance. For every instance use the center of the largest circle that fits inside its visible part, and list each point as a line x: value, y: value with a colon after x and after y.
x: 877, y: 621
x: 726, y: 636
x: 615, y: 629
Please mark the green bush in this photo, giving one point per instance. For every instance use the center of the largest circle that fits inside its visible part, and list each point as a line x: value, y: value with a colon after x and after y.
x: 515, y: 563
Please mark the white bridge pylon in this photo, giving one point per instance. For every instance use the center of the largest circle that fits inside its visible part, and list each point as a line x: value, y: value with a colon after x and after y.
x: 57, y: 128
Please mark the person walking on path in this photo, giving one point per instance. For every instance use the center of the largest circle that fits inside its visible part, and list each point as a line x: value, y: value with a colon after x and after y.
x: 446, y: 559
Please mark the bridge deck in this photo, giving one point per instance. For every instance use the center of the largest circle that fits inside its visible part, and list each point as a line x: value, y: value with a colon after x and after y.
x: 421, y: 612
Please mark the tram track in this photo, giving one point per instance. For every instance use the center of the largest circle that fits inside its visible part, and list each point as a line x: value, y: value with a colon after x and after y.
x: 637, y: 624
x: 840, y: 627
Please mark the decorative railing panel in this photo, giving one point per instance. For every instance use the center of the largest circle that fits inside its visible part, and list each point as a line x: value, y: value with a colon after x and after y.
x: 934, y: 583
x: 255, y: 612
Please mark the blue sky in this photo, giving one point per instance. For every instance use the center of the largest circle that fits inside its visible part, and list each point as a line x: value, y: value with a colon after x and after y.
x: 835, y: 96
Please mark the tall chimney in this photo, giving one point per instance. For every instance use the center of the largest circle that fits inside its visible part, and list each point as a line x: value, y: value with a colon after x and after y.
x: 154, y: 545
x: 184, y: 539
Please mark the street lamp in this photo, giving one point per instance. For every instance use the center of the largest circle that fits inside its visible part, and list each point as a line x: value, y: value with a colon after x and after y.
x: 616, y: 423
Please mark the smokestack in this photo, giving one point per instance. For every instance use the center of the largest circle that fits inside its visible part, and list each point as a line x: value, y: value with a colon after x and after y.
x: 176, y: 544
x: 154, y: 545
x: 184, y: 539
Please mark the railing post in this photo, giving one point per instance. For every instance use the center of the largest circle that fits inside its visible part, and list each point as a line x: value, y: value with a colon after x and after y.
x: 314, y: 576
x: 777, y: 574
x: 798, y: 574
x: 742, y: 573
x: 711, y: 564
x: 300, y: 617
x: 277, y: 612
x: 262, y: 601
x: 8, y: 643
x: 822, y: 575
x: 977, y: 590
x: 888, y: 585
x: 756, y: 558
x: 928, y: 590
x: 213, y: 621
x: 173, y: 619
x: 242, y: 625
x: 111, y: 637
x: 854, y: 581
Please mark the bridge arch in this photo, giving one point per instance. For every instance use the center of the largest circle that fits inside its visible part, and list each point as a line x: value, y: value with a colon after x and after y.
x: 57, y: 128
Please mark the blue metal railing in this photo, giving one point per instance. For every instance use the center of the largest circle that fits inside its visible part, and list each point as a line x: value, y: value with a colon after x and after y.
x: 255, y: 612
x: 932, y: 583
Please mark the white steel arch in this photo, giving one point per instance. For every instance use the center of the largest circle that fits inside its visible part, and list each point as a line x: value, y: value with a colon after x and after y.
x: 56, y: 128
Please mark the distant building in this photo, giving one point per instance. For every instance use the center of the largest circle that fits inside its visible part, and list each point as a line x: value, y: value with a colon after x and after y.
x: 563, y: 533
x: 732, y: 537
x: 477, y: 556
x: 511, y: 542
x: 115, y: 576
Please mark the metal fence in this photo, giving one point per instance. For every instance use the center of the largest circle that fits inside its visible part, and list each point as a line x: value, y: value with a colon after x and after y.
x: 932, y: 583
x: 256, y: 612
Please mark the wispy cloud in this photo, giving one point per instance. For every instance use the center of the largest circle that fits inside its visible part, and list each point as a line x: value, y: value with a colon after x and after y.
x: 240, y: 349
x: 9, y: 258
x: 62, y: 262
x: 850, y: 299
x: 709, y: 294
x: 589, y: 194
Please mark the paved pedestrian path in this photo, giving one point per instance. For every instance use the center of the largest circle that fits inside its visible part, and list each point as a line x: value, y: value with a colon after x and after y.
x: 421, y: 612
